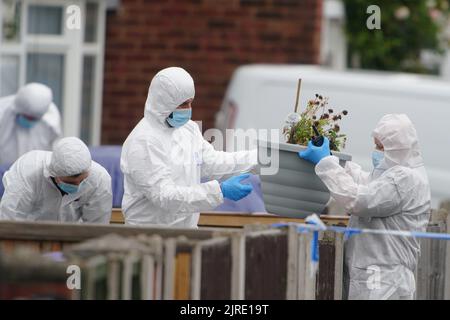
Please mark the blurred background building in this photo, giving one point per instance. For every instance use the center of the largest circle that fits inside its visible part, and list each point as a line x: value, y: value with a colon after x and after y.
x: 100, y: 72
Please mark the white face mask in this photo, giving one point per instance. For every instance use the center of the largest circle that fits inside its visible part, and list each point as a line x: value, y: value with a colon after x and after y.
x: 377, y: 157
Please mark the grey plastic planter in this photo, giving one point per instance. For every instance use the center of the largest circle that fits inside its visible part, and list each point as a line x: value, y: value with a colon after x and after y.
x: 295, y: 190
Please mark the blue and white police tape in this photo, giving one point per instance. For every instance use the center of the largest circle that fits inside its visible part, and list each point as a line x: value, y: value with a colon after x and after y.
x: 314, y: 224
x: 315, y: 221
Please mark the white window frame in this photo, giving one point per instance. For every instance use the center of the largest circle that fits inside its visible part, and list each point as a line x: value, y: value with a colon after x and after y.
x: 333, y: 47
x: 71, y: 44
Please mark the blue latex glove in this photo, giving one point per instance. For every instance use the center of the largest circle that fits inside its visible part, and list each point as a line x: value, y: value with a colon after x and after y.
x: 234, y: 190
x: 314, y: 154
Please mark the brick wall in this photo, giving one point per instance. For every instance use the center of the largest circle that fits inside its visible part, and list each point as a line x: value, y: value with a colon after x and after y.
x: 209, y: 38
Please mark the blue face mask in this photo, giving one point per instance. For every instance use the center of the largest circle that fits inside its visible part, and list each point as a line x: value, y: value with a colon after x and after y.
x: 179, y: 117
x: 25, y: 123
x: 69, y: 188
x: 377, y: 157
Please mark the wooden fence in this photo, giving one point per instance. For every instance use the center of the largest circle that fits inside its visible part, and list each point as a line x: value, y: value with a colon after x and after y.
x: 233, y: 260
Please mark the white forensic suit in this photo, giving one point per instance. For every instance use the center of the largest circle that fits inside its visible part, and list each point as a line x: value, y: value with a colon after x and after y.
x: 163, y: 166
x: 32, y: 194
x: 395, y: 196
x: 35, y: 100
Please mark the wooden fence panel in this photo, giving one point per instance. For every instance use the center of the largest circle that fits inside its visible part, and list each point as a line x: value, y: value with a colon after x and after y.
x: 326, y: 271
x: 216, y: 266
x: 266, y: 266
x: 430, y: 275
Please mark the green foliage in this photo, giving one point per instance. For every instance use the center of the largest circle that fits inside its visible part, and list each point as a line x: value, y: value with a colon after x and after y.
x: 407, y: 27
x: 299, y: 127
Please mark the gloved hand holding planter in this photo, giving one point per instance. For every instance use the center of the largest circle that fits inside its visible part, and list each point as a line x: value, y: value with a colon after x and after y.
x: 316, y: 153
x: 234, y: 190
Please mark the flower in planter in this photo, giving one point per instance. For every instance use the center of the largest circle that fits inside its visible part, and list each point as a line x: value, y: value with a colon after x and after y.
x: 298, y: 128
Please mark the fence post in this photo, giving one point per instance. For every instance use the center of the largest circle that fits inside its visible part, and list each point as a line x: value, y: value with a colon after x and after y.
x: 238, y: 266
x: 301, y: 263
x: 447, y: 263
x: 310, y: 281
x: 306, y: 283
x: 338, y: 266
x: 196, y: 275
x: 113, y: 276
x: 147, y: 277
x: 169, y: 268
x: 292, y: 263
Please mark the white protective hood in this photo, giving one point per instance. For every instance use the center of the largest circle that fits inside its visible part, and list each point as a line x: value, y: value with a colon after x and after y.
x: 35, y: 100
x: 169, y: 88
x: 70, y: 157
x: 399, y: 138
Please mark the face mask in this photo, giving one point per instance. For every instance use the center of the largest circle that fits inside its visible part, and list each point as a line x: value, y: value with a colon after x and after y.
x: 69, y: 188
x: 180, y: 117
x: 377, y: 157
x: 26, y: 123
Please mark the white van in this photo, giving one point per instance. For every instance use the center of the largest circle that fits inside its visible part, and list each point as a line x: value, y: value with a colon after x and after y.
x: 261, y: 96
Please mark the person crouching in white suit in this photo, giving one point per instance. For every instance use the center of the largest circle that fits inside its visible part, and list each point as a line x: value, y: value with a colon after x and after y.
x: 64, y: 185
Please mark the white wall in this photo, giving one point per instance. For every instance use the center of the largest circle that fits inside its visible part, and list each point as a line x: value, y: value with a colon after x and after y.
x: 333, y: 43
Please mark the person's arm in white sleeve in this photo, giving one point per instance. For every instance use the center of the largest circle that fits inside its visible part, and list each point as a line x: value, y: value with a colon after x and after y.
x: 53, y: 120
x: 17, y: 201
x: 217, y: 164
x: 149, y: 170
x: 379, y: 198
x: 357, y: 173
x: 99, y: 207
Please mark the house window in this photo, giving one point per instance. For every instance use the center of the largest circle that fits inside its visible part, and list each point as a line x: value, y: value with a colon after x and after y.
x: 47, y: 68
x: 90, y: 35
x: 45, y: 19
x: 88, y: 95
x: 9, y: 74
x: 10, y: 21
x: 37, y: 46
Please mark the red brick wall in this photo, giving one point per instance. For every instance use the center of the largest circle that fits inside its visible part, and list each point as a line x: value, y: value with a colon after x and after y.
x: 209, y: 38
